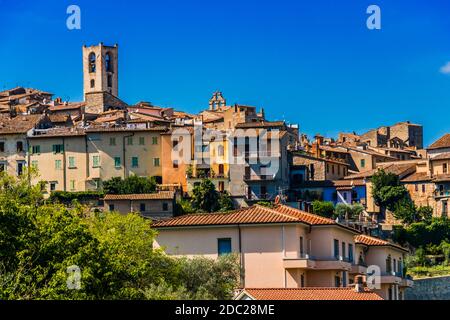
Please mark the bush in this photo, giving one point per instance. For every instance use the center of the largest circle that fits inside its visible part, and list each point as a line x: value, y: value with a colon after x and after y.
x: 323, y: 208
x: 66, y: 197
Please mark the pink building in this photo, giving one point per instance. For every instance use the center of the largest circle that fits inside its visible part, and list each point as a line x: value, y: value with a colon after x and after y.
x: 279, y: 247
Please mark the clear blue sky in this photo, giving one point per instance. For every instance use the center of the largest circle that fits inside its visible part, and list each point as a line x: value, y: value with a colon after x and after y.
x: 309, y: 62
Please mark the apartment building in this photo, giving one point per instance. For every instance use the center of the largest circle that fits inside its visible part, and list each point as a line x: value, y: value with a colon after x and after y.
x: 298, y: 249
x: 77, y: 159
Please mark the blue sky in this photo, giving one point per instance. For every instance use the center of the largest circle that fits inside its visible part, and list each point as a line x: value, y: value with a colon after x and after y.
x: 314, y: 63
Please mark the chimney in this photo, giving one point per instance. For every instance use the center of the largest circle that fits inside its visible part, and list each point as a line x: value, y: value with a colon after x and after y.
x: 359, y: 284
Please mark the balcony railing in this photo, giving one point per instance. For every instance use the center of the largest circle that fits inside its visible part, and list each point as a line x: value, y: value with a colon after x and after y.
x: 255, y: 177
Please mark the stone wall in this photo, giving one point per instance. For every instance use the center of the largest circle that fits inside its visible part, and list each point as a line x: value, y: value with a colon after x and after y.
x: 436, y: 288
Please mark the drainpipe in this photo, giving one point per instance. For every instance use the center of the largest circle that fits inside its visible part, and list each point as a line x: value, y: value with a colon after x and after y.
x: 64, y: 164
x: 87, y: 157
x: 124, y: 155
x: 241, y: 260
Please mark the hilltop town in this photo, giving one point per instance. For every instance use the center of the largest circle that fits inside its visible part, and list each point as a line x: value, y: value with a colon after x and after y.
x: 274, y: 176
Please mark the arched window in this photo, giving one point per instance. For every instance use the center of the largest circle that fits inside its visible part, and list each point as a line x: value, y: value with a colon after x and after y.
x: 92, y: 62
x: 92, y: 83
x: 108, y: 62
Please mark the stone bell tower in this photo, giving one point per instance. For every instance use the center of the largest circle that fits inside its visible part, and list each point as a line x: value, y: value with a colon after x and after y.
x: 100, y: 69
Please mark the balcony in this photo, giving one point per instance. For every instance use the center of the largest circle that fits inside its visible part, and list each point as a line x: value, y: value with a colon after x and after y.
x: 407, y: 282
x: 262, y: 177
x: 391, y: 277
x: 359, y: 268
x: 316, y: 263
x: 442, y: 193
x: 262, y: 154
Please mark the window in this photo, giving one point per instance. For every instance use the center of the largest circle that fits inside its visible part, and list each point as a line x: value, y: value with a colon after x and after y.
x: 71, y: 162
x: 224, y: 246
x: 34, y: 164
x: 108, y: 62
x: 220, y: 151
x: 302, y: 280
x: 417, y: 188
x: 58, y: 165
x: 36, y: 149
x: 2, y: 146
x: 142, y: 207
x: 221, y: 186
x: 112, y: 141
x: 444, y: 168
x: 337, y: 281
x: 344, y: 278
x: 111, y: 207
x: 350, y: 252
x: 19, y: 146
x: 130, y: 141
x: 388, y: 264
x: 72, y: 185
x: 301, y: 247
x: 52, y: 186
x: 336, y: 248
x: 92, y: 83
x: 117, y: 163
x: 95, y: 161
x: 175, y: 164
x: 390, y: 294
x: 58, y: 148
x: 344, y: 249
x: 109, y: 81
x: 141, y: 141
x: 423, y: 188
x: 156, y: 162
x: 154, y: 140
x: 165, y: 206
x: 363, y: 163
x: 134, y: 162
x: 92, y: 62
x: 332, y: 169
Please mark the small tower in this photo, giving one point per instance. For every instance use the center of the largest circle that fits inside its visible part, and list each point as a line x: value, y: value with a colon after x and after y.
x: 100, y: 69
x: 217, y: 101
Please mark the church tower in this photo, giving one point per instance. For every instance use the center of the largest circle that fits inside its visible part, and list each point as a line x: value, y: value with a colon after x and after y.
x: 100, y: 69
x: 217, y: 101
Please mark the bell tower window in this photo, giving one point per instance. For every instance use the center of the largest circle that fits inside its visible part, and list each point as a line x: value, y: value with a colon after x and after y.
x: 92, y: 83
x: 108, y: 63
x: 92, y: 62
x: 109, y: 81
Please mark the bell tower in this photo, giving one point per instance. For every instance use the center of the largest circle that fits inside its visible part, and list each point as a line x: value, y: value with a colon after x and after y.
x: 100, y: 69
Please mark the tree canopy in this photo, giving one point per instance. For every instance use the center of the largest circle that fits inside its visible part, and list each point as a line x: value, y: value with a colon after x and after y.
x: 129, y: 185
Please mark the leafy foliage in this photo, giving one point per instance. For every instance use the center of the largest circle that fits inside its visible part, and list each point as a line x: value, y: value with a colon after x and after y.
x: 114, y: 253
x: 68, y: 197
x: 129, y: 185
x: 323, y: 208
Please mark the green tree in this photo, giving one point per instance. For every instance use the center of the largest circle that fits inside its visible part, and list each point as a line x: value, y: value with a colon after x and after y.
x: 205, y: 198
x: 225, y: 202
x: 323, y: 208
x: 129, y: 185
x: 386, y: 189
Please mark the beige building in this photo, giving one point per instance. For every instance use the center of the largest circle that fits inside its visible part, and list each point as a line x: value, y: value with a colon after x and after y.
x: 70, y: 159
x: 157, y: 206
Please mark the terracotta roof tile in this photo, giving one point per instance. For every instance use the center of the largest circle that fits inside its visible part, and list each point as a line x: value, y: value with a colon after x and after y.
x: 417, y: 177
x: 443, y: 142
x: 255, y: 214
x: 372, y: 241
x: 161, y: 195
x: 311, y: 293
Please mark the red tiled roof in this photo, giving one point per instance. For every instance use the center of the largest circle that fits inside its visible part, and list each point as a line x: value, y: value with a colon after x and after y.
x: 161, y: 195
x: 442, y: 156
x: 255, y: 214
x: 372, y: 241
x: 417, y: 177
x: 442, y: 142
x: 311, y: 293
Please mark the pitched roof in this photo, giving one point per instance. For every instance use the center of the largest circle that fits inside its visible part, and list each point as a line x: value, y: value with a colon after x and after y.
x: 310, y: 293
x: 18, y: 124
x: 442, y: 142
x: 372, y: 241
x: 417, y: 177
x: 255, y: 214
x: 161, y: 195
x: 441, y: 156
x: 69, y: 106
x: 400, y: 168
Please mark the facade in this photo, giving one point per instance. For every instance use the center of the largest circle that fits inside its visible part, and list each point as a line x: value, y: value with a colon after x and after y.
x: 298, y: 249
x: 157, y: 206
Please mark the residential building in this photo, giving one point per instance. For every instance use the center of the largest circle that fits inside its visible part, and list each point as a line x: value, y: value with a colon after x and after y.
x: 299, y: 249
x: 157, y: 206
